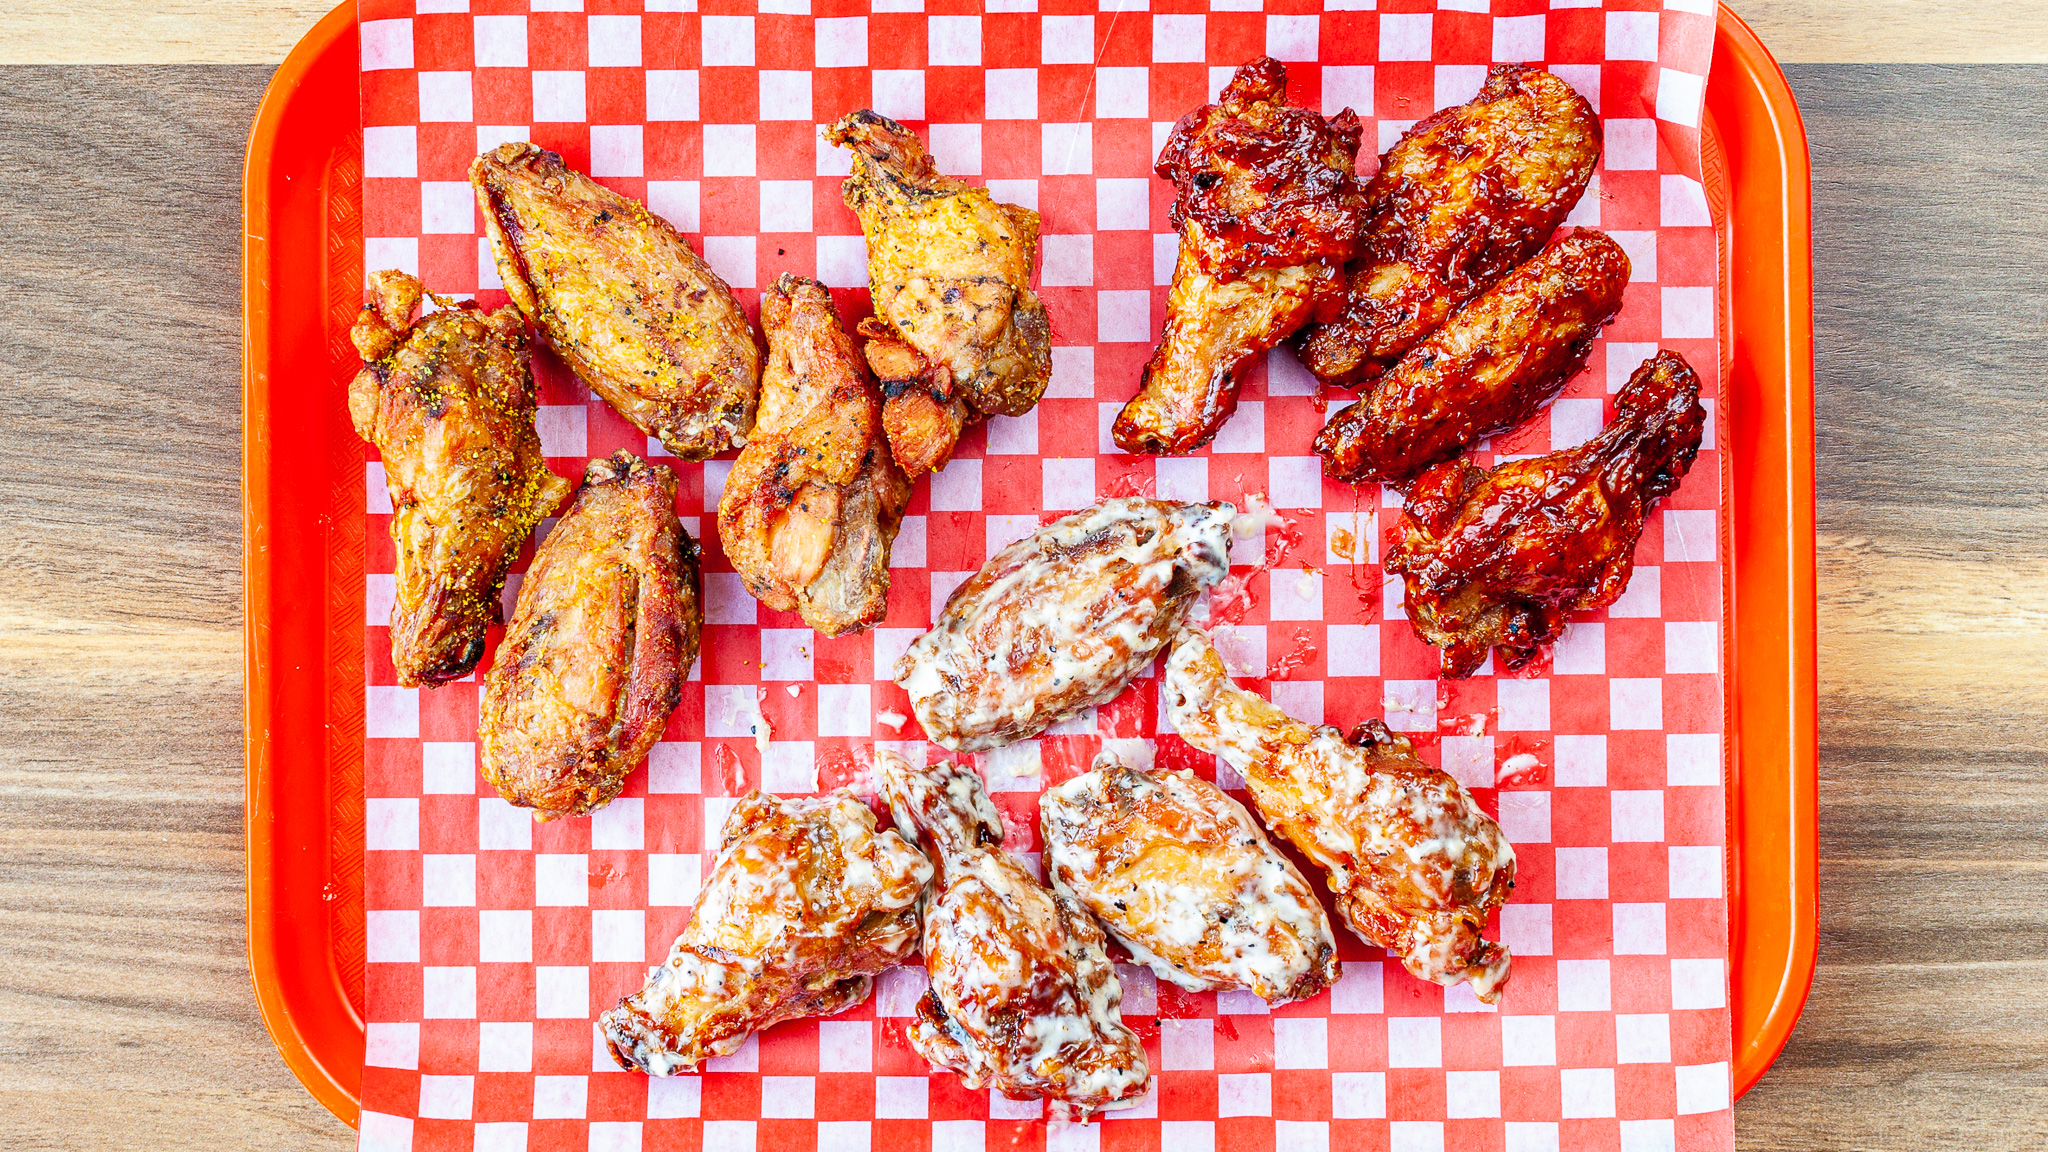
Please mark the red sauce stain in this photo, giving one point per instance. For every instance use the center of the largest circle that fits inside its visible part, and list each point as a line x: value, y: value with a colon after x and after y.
x: 836, y: 769
x: 1531, y: 775
x: 1173, y: 754
x: 1177, y: 1003
x: 603, y: 874
x: 1130, y: 484
x: 1226, y: 1027
x: 732, y: 775
x: 1302, y: 653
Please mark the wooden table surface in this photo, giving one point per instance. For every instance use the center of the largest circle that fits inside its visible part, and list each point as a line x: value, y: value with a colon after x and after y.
x: 126, y: 1018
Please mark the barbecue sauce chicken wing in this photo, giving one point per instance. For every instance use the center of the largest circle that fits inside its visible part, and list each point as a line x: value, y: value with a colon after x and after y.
x: 814, y: 500
x: 1179, y: 874
x: 1268, y: 214
x: 957, y: 333
x: 1415, y: 864
x: 622, y: 298
x: 1502, y: 559
x: 449, y: 403
x: 1463, y: 198
x: 605, y: 630
x: 1023, y: 997
x: 808, y: 901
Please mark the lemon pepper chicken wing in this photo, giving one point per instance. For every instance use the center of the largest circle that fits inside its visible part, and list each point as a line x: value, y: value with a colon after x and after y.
x: 449, y: 403
x: 808, y: 900
x: 1502, y: 559
x: 622, y: 298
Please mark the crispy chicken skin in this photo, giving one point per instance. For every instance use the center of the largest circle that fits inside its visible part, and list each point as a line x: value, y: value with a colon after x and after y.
x: 449, y: 403
x: 1062, y: 619
x: 1502, y: 559
x: 808, y: 900
x: 957, y: 333
x: 1179, y: 874
x: 622, y: 298
x: 1463, y: 198
x: 1023, y: 997
x: 1415, y: 864
x: 814, y: 500
x: 1490, y: 367
x: 593, y: 662
x: 1268, y: 214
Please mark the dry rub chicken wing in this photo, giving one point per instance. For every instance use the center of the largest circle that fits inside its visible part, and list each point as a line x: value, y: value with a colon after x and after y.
x: 814, y: 500
x: 1179, y: 874
x: 1268, y: 214
x: 807, y: 902
x: 1463, y: 198
x: 622, y: 298
x: 449, y: 403
x: 593, y: 662
x: 1415, y: 864
x: 1502, y: 559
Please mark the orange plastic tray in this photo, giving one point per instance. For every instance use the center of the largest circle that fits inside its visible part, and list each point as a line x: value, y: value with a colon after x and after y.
x: 303, y: 548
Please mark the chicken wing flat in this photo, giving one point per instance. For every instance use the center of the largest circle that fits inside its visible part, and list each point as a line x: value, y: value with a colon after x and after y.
x: 1268, y: 214
x: 1062, y: 620
x: 808, y: 900
x: 1463, y: 198
x: 622, y: 298
x: 1416, y: 866
x: 1179, y: 874
x: 1023, y: 997
x: 1490, y: 367
x: 604, y: 632
x: 1502, y: 559
x: 449, y: 403
x: 814, y: 500
x: 957, y: 333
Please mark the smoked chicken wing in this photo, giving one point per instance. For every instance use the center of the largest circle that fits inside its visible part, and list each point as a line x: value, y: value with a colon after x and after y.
x: 808, y: 900
x: 1502, y: 559
x: 1416, y: 866
x: 1268, y: 214
x: 449, y: 403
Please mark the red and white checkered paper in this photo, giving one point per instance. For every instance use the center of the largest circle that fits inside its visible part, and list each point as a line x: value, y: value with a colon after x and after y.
x: 494, y: 942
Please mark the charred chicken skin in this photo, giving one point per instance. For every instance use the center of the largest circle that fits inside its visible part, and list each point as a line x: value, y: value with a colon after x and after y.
x: 1502, y: 559
x: 622, y: 298
x: 449, y: 403
x: 814, y: 500
x: 604, y: 632
x: 1268, y: 213
x: 957, y: 333
x: 1463, y: 198
x: 1491, y: 366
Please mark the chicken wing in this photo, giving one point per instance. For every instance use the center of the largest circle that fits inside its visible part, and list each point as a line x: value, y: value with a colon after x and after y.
x: 1268, y: 214
x: 622, y: 298
x: 1417, y: 867
x: 1502, y: 559
x: 1179, y: 874
x: 1062, y: 619
x: 1023, y: 997
x: 1490, y: 367
x: 814, y: 500
x: 593, y: 662
x: 449, y: 403
x: 1463, y: 198
x: 957, y: 333
x: 808, y: 900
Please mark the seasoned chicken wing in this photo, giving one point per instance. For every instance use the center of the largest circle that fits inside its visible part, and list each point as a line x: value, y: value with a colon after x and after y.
x: 957, y: 333
x: 622, y: 298
x: 1062, y: 620
x: 449, y: 403
x: 813, y: 502
x: 808, y: 900
x: 1502, y: 559
x: 1417, y: 867
x: 1268, y: 214
x: 1182, y: 877
x: 604, y: 632
x: 1490, y: 367
x: 1023, y: 997
x: 1463, y: 198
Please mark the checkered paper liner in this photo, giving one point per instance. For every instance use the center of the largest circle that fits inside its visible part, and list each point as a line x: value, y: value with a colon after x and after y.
x: 493, y: 943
